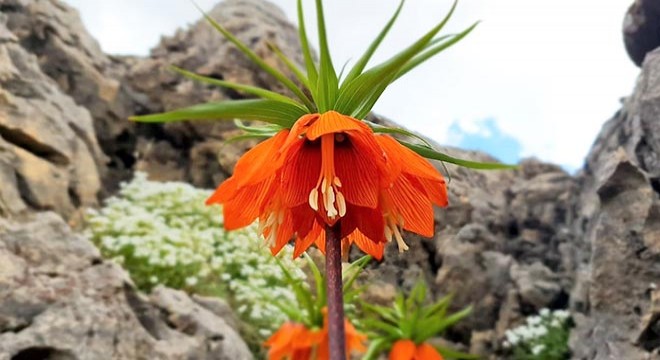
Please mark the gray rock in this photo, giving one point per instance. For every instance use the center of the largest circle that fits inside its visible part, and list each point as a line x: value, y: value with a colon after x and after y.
x: 66, y: 52
x: 619, y: 257
x: 48, y: 150
x: 59, y: 300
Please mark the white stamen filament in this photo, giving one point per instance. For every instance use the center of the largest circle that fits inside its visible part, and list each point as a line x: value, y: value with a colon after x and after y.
x: 341, y: 204
x: 314, y: 199
x: 399, y: 240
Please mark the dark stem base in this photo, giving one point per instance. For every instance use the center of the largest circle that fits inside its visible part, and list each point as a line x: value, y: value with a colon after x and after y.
x: 334, y: 290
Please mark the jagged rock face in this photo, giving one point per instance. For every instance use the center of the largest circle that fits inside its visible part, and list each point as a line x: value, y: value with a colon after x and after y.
x: 66, y: 52
x: 619, y: 219
x: 49, y: 155
x: 59, y: 300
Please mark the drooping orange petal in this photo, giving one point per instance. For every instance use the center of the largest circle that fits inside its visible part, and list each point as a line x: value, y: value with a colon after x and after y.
x: 367, y: 245
x: 260, y: 162
x: 436, y: 191
x: 354, y: 339
x: 427, y: 352
x: 224, y: 192
x: 412, y: 162
x: 252, y: 168
x: 244, y: 208
x: 411, y: 203
x: 302, y: 244
x: 285, y: 232
x: 334, y: 122
x: 300, y: 173
x: 303, y: 218
x: 280, y: 342
x: 358, y: 171
x: 368, y: 221
x: 298, y: 129
x: 403, y: 350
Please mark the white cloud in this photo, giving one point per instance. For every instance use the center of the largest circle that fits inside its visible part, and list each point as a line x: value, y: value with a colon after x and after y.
x: 550, y: 72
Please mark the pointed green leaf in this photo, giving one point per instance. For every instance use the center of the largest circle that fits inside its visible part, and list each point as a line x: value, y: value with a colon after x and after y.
x: 312, y: 73
x: 353, y: 271
x: 327, y: 86
x: 259, y: 61
x: 364, y: 60
x: 432, y: 154
x: 380, y: 129
x: 289, y: 64
x: 376, y: 347
x: 358, y: 96
x: 266, y: 129
x: 434, y: 51
x: 432, y: 326
x: 319, y: 281
x: 247, y: 137
x: 270, y: 111
x: 263, y: 93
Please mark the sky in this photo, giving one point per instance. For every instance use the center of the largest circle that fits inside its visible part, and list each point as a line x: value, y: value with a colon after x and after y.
x: 536, y: 78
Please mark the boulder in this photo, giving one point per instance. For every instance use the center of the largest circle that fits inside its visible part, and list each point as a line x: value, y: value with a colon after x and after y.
x: 52, y: 32
x: 49, y: 155
x: 60, y: 300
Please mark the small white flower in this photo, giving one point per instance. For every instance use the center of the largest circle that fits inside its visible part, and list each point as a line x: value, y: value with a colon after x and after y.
x: 534, y: 320
x: 512, y: 337
x: 562, y: 314
x: 544, y: 312
x: 537, y: 349
x: 191, y: 281
x: 153, y: 279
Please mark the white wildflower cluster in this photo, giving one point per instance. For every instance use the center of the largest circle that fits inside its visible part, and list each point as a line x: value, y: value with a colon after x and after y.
x: 543, y: 336
x: 162, y: 233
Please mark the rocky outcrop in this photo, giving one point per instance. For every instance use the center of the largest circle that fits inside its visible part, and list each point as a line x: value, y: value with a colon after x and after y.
x: 60, y: 300
x: 641, y: 29
x: 619, y: 223
x: 53, y: 33
x: 49, y: 155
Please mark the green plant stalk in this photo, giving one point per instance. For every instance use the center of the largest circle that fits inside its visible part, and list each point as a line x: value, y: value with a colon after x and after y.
x: 334, y: 291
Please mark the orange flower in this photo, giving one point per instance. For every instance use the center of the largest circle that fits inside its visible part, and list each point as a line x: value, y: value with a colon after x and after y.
x: 407, y: 350
x: 295, y: 342
x: 329, y: 169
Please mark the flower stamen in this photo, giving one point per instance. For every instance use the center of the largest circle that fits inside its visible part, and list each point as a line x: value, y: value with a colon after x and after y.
x: 328, y: 183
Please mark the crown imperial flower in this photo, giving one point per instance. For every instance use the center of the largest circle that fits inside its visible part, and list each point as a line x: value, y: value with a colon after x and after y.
x: 296, y: 341
x: 329, y: 169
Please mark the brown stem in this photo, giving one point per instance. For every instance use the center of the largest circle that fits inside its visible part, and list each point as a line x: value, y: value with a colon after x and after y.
x: 334, y: 290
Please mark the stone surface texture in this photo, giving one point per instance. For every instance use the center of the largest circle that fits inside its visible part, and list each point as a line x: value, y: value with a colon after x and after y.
x: 60, y: 300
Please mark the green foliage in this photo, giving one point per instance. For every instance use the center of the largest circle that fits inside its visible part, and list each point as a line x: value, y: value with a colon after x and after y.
x: 355, y: 96
x: 542, y: 337
x: 163, y: 234
x: 309, y: 304
x: 410, y: 318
